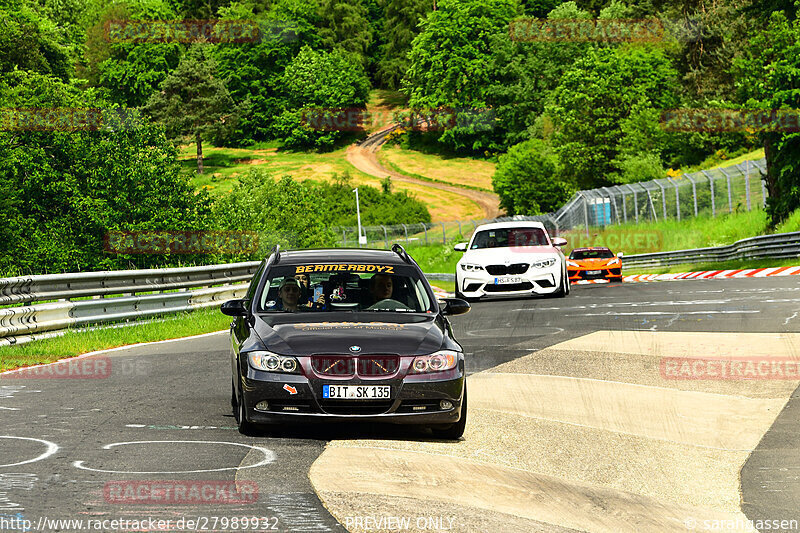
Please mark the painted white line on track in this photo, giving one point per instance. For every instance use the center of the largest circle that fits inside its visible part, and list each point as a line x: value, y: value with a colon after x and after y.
x: 648, y: 313
x: 52, y: 448
x: 269, y: 457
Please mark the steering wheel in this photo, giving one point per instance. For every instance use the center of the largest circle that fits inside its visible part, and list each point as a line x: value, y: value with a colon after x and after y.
x: 389, y: 304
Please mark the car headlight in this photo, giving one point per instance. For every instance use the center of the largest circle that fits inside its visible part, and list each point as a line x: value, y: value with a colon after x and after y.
x: 435, y: 362
x: 572, y: 264
x: 544, y: 263
x: 614, y: 261
x: 469, y: 267
x: 272, y: 362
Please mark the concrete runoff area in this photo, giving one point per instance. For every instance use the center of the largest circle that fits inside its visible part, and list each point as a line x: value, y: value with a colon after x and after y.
x: 555, y: 441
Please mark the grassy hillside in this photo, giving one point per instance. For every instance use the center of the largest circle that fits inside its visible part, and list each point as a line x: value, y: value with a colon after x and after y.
x: 463, y: 171
x: 223, y: 166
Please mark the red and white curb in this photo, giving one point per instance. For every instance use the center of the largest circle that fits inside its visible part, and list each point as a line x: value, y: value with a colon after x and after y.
x: 716, y: 274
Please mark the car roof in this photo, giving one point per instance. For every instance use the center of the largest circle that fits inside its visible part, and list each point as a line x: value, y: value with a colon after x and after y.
x: 511, y: 224
x: 334, y: 255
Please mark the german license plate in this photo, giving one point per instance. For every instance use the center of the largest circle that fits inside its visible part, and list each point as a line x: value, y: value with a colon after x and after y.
x: 593, y: 272
x: 507, y: 281
x: 357, y: 392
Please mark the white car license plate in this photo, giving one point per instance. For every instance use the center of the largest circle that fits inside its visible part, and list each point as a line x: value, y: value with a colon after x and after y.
x: 357, y: 392
x: 593, y: 272
x: 507, y: 281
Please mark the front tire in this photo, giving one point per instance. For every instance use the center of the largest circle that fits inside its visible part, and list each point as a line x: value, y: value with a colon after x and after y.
x: 245, y: 427
x: 454, y: 431
x: 563, y: 290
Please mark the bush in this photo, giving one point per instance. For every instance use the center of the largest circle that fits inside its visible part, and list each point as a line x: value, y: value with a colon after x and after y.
x: 528, y: 180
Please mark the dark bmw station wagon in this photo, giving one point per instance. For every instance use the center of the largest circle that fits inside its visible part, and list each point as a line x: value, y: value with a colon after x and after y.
x: 346, y: 334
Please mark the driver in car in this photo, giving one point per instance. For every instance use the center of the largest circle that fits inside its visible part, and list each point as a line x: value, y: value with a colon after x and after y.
x: 381, y: 286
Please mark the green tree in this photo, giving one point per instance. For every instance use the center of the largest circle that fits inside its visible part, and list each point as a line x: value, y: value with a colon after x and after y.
x: 449, y: 60
x: 193, y: 101
x: 129, y: 72
x: 31, y: 41
x: 318, y: 81
x: 286, y: 212
x: 400, y: 26
x: 254, y: 71
x: 596, y: 97
x: 529, y: 179
x: 523, y: 74
x: 69, y: 188
x: 769, y: 78
x: 345, y: 24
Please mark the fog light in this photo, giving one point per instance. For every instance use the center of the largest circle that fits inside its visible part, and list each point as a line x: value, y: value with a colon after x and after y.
x: 262, y: 406
x: 444, y: 405
x: 418, y: 408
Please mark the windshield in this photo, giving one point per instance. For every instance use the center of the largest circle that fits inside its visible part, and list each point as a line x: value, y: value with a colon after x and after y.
x: 591, y: 254
x: 321, y: 288
x: 508, y: 237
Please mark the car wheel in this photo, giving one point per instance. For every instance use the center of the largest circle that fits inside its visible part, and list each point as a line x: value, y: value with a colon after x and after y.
x: 245, y: 427
x: 563, y: 289
x: 454, y: 431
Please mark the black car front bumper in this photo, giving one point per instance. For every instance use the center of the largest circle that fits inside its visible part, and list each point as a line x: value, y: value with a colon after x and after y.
x: 415, y: 399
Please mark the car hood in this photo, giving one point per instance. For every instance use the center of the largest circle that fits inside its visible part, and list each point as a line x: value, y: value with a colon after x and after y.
x: 498, y: 256
x: 374, y: 333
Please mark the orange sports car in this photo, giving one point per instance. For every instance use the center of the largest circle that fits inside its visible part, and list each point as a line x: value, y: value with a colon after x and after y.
x: 594, y: 263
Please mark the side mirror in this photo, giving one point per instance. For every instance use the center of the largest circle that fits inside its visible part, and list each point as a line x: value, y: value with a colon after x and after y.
x: 455, y: 306
x: 619, y: 254
x: 460, y: 247
x: 558, y: 241
x: 234, y: 308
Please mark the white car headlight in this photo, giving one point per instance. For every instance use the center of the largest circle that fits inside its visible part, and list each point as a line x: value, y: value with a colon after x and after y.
x: 544, y: 263
x: 469, y: 267
x: 272, y: 362
x: 614, y: 261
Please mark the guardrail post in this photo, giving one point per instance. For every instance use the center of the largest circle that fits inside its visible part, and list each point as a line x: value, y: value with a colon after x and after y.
x: 459, y: 228
x: 344, y: 238
x: 424, y: 227
x: 405, y: 230
x: 385, y: 236
x: 624, y: 207
x: 764, y: 193
x: 711, y: 184
x: 444, y: 235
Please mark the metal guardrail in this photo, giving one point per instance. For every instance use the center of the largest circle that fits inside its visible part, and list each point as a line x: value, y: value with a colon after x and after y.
x: 779, y: 246
x: 27, y: 289
x: 23, y: 323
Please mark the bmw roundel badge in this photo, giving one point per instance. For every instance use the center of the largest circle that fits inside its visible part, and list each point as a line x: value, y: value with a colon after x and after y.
x: 355, y: 349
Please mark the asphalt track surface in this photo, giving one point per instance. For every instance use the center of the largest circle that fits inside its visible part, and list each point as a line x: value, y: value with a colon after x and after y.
x: 162, y: 413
